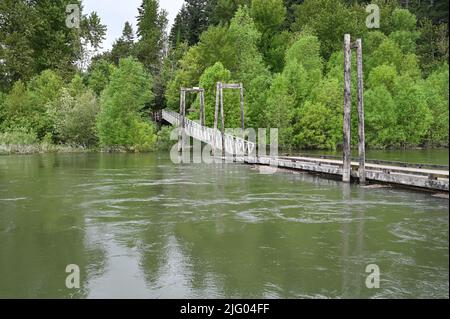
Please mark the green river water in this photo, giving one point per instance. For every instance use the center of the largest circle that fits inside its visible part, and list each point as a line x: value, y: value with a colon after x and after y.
x: 139, y: 226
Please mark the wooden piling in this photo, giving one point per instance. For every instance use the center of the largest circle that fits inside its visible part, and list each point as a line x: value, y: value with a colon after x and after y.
x: 361, y: 126
x: 182, y: 131
x: 346, y: 174
x: 242, y: 110
x: 216, y: 115
x: 222, y: 117
x: 202, y: 108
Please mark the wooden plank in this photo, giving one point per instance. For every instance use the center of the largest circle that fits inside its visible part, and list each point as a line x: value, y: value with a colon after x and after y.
x: 231, y: 86
x: 406, y: 170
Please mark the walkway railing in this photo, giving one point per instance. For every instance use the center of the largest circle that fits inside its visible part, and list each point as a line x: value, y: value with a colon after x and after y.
x: 233, y: 145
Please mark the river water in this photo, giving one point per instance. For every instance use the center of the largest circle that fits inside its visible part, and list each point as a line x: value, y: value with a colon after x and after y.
x: 139, y: 226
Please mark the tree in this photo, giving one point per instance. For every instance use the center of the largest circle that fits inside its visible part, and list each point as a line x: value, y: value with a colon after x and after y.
x: 224, y: 10
x: 16, y: 53
x: 17, y: 110
x: 380, y: 118
x: 208, y: 80
x: 413, y: 115
x: 269, y: 17
x: 403, y: 24
x: 280, y: 109
x: 120, y: 122
x: 152, y: 23
x: 436, y: 95
x: 124, y: 46
x: 246, y: 62
x: 75, y: 118
x: 316, y: 128
x: 329, y: 20
x: 432, y: 45
x: 99, y: 75
x: 179, y: 32
x: 34, y: 37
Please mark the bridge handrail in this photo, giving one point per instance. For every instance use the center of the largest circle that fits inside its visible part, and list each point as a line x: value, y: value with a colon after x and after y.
x: 207, y: 134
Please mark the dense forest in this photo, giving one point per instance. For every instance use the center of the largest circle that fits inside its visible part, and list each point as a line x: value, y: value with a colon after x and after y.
x: 57, y: 89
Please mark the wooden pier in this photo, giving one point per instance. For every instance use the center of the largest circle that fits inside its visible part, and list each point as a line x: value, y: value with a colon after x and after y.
x: 422, y: 178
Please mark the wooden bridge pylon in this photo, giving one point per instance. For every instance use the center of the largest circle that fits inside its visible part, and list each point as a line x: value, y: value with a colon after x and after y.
x: 219, y: 104
x: 182, y: 132
x: 347, y: 166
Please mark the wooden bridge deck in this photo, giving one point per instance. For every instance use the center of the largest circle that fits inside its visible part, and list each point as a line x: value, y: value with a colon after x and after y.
x: 412, y: 175
x: 431, y: 179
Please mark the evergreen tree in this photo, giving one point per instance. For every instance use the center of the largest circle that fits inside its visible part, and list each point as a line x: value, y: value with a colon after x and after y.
x: 124, y: 46
x: 152, y: 23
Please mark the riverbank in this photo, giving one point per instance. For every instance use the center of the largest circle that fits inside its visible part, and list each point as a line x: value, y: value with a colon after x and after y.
x: 41, y: 148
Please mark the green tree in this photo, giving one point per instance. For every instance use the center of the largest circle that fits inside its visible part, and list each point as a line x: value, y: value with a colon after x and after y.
x: 208, y: 80
x: 16, y: 52
x: 304, y: 66
x: 151, y: 24
x: 380, y: 118
x: 120, y: 122
x: 75, y: 118
x: 246, y: 60
x: 18, y: 109
x: 124, y: 46
x: 224, y: 10
x: 436, y: 95
x: 99, y: 75
x: 280, y: 109
x: 432, y: 46
x: 316, y: 129
x: 269, y: 17
x: 413, y: 115
x: 329, y: 20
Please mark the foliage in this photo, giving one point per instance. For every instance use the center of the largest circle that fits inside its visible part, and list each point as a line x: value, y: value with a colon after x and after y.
x: 151, y: 25
x: 380, y: 117
x: 18, y: 137
x: 99, y: 75
x: 208, y: 80
x: 120, y: 122
x: 75, y: 118
x: 329, y: 20
x: 34, y: 38
x: 124, y: 46
x: 436, y: 95
x: 163, y: 142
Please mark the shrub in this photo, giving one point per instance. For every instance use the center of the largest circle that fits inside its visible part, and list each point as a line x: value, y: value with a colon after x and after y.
x: 75, y: 118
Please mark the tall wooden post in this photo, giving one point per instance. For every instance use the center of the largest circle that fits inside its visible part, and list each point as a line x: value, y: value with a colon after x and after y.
x: 216, y: 115
x: 181, y: 132
x: 361, y: 128
x: 242, y: 109
x: 202, y: 108
x: 222, y: 117
x: 347, y: 110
